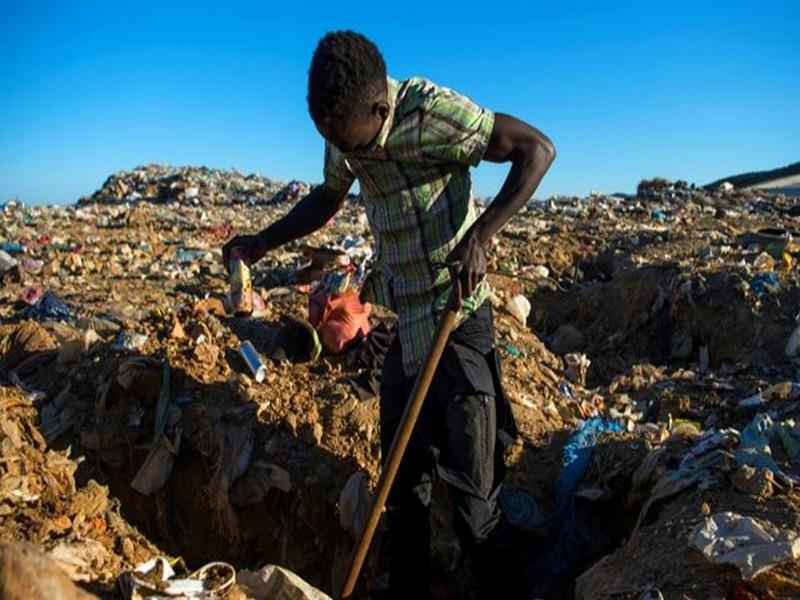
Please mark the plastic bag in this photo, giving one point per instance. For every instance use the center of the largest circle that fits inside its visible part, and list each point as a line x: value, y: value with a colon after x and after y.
x: 569, y: 535
x: 727, y: 537
x: 354, y: 504
x: 339, y: 320
x: 276, y: 582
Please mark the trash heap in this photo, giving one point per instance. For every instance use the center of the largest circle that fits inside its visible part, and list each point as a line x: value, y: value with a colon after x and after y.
x: 194, y: 186
x: 78, y: 527
x: 678, y: 309
x: 649, y: 347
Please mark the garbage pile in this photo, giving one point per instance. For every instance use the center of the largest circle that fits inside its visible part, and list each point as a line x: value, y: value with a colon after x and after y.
x: 679, y: 192
x: 78, y: 527
x: 712, y: 501
x: 649, y: 348
x: 195, y: 186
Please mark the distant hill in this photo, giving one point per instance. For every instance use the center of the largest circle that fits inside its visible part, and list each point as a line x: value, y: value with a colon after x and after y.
x: 784, y: 180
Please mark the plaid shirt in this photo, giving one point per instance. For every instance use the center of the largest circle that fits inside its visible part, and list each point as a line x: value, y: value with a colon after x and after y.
x: 416, y: 187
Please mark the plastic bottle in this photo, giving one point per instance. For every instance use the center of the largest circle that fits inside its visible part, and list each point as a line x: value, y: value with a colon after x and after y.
x: 241, y: 285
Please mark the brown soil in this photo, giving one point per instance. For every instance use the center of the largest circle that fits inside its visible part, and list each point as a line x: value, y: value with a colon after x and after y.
x: 649, y: 299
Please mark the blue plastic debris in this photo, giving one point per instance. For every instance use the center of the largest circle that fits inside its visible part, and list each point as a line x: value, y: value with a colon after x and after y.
x: 768, y: 282
x: 187, y: 256
x: 755, y: 450
x: 512, y: 350
x: 578, y: 451
x: 48, y: 307
x: 521, y: 509
x: 12, y: 248
x: 568, y: 535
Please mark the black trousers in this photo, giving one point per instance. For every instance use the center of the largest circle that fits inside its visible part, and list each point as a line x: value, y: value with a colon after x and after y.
x: 460, y: 436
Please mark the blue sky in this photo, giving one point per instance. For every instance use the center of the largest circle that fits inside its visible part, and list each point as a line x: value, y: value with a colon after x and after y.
x: 626, y: 90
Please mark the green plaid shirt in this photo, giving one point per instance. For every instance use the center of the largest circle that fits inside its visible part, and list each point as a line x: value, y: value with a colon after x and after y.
x: 416, y: 187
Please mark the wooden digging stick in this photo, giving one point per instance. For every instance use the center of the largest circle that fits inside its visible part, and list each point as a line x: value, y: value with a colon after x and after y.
x: 398, y: 448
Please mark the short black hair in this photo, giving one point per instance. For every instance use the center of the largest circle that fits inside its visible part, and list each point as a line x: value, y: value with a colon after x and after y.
x: 347, y: 73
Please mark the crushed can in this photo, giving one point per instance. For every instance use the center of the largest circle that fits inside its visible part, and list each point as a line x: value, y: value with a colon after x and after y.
x: 253, y: 360
x: 241, y: 285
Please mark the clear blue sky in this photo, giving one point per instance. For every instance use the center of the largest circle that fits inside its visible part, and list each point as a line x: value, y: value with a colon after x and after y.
x: 693, y: 90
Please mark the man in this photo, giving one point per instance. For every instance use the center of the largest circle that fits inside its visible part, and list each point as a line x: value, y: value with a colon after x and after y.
x: 410, y: 144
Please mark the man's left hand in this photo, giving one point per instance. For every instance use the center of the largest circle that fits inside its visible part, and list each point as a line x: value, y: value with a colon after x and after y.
x: 467, y: 265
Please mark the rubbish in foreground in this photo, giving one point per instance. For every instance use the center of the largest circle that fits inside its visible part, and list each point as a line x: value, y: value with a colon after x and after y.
x: 253, y: 360
x: 741, y: 541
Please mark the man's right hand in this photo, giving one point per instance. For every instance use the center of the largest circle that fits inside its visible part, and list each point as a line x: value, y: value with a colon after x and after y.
x: 252, y: 249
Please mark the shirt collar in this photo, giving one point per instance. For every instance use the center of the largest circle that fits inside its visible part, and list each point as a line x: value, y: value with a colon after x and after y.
x: 391, y: 97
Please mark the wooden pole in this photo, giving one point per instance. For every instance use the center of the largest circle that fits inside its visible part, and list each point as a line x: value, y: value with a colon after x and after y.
x: 398, y: 448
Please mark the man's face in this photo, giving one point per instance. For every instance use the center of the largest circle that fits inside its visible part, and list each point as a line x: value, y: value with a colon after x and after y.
x: 358, y: 132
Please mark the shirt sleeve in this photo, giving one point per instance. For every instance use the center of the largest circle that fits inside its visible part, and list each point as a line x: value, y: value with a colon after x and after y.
x: 337, y: 174
x: 453, y: 128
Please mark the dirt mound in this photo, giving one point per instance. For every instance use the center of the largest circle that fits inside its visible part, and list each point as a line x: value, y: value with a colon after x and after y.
x: 665, y: 560
x: 26, y: 573
x: 657, y: 314
x: 79, y: 527
x: 661, y: 315
x: 196, y: 186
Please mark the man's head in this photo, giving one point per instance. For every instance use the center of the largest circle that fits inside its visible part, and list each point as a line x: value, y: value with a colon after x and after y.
x: 347, y: 90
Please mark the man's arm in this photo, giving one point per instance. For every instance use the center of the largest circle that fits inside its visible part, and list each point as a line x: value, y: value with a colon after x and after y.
x: 530, y: 153
x: 306, y: 217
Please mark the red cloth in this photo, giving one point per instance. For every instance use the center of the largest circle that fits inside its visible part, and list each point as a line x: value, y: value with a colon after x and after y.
x: 339, y: 320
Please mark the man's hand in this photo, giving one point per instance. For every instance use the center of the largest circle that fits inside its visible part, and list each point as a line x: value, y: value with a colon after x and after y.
x: 308, y: 215
x: 467, y: 264
x: 252, y: 249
